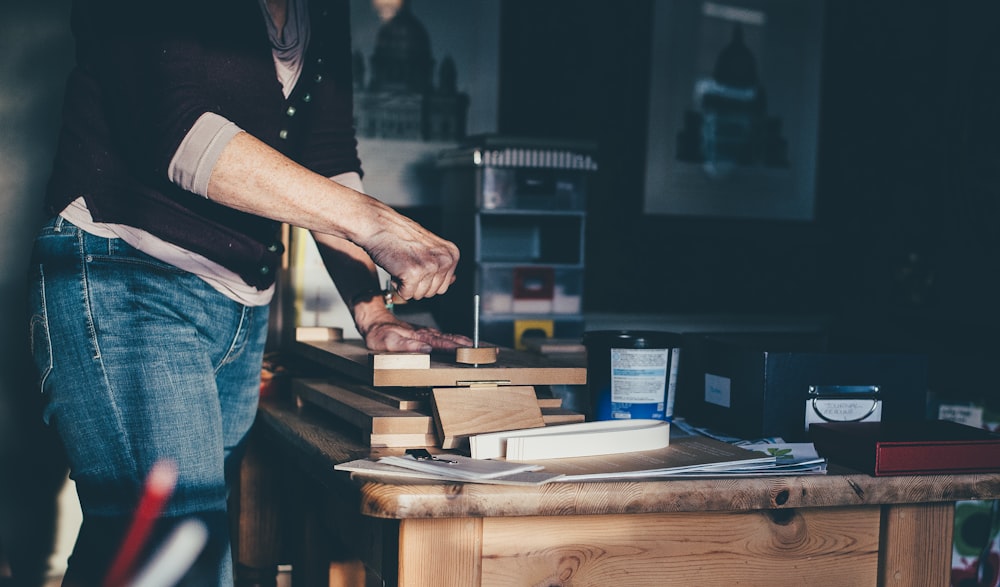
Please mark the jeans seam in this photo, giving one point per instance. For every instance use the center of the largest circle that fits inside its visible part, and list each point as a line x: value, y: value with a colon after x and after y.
x: 42, y: 321
x: 239, y: 342
x: 85, y: 259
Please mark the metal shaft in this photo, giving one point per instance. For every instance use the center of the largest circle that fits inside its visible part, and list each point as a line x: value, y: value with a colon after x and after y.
x: 475, y: 321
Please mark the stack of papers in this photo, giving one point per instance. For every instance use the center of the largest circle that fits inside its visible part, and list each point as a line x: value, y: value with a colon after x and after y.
x: 685, y: 457
x: 450, y: 467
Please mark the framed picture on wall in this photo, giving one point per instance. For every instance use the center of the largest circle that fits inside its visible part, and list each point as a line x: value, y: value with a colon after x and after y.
x: 425, y: 76
x: 734, y: 109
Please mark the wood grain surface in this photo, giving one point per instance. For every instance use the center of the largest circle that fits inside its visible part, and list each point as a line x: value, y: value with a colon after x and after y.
x: 460, y: 412
x: 722, y: 549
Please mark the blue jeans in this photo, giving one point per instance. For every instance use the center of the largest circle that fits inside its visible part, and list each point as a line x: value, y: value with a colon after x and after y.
x: 139, y: 361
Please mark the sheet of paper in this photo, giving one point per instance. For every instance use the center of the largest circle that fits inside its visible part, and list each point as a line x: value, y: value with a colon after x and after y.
x: 460, y: 466
x: 390, y: 473
x: 683, y: 454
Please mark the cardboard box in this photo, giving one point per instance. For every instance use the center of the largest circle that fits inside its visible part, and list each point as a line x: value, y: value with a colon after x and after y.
x: 760, y: 385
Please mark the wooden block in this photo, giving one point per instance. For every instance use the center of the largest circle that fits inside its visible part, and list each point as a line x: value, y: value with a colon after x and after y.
x: 381, y: 424
x: 460, y: 412
x: 476, y: 355
x: 561, y: 416
x: 401, y: 361
x: 314, y: 333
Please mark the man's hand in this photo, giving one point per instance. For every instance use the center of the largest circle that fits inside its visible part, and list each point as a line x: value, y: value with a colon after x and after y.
x: 394, y: 335
x: 421, y: 263
x: 400, y: 336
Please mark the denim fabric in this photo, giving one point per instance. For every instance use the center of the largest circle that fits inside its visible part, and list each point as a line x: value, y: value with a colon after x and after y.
x: 139, y: 361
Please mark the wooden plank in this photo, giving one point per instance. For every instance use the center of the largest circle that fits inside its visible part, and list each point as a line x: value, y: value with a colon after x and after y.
x: 419, y: 398
x: 784, y: 548
x: 441, y: 552
x: 351, y: 358
x: 916, y: 544
x: 556, y: 416
x: 401, y: 398
x: 460, y: 412
x: 370, y: 416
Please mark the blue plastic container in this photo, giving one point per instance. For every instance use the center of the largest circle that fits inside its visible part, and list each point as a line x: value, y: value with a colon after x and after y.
x: 631, y: 374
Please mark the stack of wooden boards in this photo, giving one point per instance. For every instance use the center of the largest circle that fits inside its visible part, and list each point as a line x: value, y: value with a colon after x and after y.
x: 419, y: 400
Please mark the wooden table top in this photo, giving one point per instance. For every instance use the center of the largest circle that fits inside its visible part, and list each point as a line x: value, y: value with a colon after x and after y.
x: 316, y: 441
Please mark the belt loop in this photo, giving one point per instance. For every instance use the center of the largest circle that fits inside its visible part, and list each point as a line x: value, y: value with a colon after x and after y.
x: 57, y: 226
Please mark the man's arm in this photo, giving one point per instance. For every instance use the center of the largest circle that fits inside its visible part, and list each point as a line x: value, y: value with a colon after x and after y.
x: 255, y: 178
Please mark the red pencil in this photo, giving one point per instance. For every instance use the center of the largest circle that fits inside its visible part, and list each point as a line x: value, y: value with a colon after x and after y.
x: 159, y: 486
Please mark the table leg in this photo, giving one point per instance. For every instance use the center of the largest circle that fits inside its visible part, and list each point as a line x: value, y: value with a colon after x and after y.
x: 916, y: 544
x: 441, y: 551
x: 257, y: 521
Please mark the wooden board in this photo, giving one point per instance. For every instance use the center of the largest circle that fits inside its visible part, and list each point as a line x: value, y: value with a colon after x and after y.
x: 419, y: 398
x: 557, y: 415
x: 401, y: 398
x: 459, y: 413
x: 512, y: 367
x: 382, y: 425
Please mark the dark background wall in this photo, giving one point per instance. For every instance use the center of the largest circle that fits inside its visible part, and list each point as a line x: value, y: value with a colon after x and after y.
x: 35, y: 55
x: 903, y: 251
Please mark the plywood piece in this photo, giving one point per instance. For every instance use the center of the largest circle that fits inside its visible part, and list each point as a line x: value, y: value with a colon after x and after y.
x: 401, y: 361
x: 461, y: 412
x: 351, y: 358
x: 383, y: 425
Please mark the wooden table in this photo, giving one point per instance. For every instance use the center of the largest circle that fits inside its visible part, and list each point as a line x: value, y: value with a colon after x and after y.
x: 843, y: 528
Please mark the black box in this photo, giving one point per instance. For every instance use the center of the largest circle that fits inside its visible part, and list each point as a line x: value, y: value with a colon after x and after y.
x: 761, y: 385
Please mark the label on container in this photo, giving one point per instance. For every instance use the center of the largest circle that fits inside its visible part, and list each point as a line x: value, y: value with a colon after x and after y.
x: 639, y: 376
